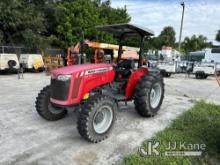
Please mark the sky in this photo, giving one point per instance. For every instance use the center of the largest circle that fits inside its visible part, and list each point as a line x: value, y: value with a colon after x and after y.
x: 201, y: 16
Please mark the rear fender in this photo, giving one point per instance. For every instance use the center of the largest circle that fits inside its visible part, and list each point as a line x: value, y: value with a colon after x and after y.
x: 132, y: 81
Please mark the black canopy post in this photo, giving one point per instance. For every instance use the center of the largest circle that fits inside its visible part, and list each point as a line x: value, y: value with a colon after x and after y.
x: 141, y: 51
x: 80, y: 59
x: 120, y: 47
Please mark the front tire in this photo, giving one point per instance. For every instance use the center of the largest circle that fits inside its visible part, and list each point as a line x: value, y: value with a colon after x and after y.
x: 96, y: 118
x: 47, y: 110
x: 149, y: 95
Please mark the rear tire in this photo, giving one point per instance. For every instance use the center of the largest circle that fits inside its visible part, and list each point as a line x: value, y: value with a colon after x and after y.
x: 168, y: 74
x: 96, y: 118
x: 149, y: 94
x: 201, y: 75
x: 12, y: 63
x: 205, y: 76
x: 47, y: 110
x: 163, y: 72
x: 34, y: 70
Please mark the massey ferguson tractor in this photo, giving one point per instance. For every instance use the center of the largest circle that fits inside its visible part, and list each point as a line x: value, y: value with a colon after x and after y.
x: 95, y: 90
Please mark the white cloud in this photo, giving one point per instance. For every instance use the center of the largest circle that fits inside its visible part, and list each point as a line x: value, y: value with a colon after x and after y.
x: 201, y: 17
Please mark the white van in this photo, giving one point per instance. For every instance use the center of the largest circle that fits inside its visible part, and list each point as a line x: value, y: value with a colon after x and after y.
x: 32, y: 61
x: 212, y: 55
x: 9, y: 62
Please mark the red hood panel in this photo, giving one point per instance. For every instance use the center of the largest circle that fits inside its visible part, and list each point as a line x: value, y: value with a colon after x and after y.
x: 77, y: 68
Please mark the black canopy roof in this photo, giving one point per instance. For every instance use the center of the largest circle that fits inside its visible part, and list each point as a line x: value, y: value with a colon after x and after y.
x: 126, y: 29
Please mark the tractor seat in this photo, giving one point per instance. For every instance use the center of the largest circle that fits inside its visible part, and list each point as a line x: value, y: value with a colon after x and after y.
x: 126, y: 64
x: 123, y: 73
x: 124, y: 68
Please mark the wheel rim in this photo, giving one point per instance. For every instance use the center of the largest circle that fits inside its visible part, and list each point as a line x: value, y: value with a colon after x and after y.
x: 54, y: 110
x: 103, y: 119
x: 155, y: 95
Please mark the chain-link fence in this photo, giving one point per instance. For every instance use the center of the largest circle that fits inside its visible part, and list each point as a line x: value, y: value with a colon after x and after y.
x: 22, y: 50
x: 10, y: 49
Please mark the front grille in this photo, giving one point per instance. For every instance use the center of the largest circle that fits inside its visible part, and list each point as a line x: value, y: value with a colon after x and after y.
x: 59, y: 89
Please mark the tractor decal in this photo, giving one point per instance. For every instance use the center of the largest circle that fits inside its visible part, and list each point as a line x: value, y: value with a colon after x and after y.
x: 99, y: 70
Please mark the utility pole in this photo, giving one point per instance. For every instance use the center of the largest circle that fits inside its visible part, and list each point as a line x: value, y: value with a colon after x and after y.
x: 181, y: 27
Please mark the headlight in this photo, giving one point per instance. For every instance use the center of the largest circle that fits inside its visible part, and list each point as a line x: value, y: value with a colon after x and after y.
x: 64, y: 77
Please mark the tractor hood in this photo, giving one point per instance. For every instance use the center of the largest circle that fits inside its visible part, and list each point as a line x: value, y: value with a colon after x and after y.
x: 79, y: 68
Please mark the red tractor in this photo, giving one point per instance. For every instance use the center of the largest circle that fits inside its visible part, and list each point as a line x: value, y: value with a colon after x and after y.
x: 96, y: 89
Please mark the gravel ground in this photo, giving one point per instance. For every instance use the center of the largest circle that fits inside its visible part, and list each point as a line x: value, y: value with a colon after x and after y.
x: 26, y: 138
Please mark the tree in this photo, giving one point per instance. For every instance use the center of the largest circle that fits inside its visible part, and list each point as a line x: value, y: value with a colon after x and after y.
x: 195, y: 43
x: 218, y: 36
x: 168, y: 36
x: 21, y: 24
x: 154, y: 43
x: 1, y: 37
x: 39, y: 23
x: 84, y: 15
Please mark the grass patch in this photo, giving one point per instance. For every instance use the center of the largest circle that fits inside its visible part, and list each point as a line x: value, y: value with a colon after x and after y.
x: 199, y: 125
